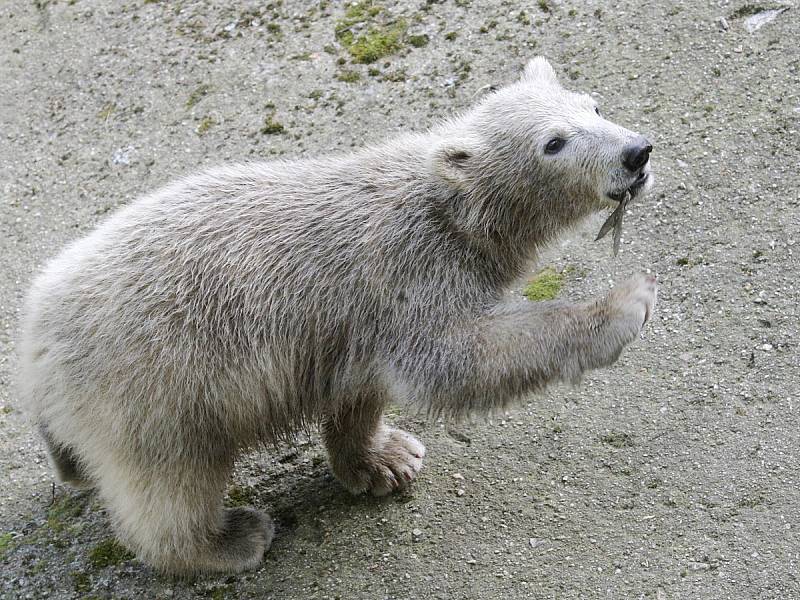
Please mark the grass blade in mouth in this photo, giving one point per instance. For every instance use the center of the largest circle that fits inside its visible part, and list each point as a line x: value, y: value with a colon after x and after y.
x: 614, y: 221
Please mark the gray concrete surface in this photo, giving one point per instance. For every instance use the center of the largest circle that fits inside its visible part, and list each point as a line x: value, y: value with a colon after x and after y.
x: 673, y: 475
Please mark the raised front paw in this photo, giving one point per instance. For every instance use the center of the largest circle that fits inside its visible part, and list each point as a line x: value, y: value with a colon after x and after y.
x: 390, y: 464
x: 635, y: 299
x: 620, y: 317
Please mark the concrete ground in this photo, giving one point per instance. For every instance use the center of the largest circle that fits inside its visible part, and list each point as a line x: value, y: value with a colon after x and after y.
x: 672, y: 475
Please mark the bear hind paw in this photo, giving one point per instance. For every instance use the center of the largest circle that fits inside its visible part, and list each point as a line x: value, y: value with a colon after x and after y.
x: 245, y: 536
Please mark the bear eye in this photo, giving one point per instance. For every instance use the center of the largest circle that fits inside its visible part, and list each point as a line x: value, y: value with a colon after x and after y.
x: 597, y: 111
x: 554, y: 146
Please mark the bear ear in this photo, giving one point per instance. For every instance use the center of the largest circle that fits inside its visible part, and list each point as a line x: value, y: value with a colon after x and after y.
x: 538, y: 69
x: 452, y: 160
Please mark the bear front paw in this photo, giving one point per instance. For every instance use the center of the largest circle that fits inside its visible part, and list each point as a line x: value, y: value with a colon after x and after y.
x: 391, y: 464
x: 634, y: 299
x: 619, y: 319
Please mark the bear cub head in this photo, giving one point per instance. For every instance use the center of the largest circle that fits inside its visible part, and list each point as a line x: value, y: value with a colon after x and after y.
x: 533, y: 155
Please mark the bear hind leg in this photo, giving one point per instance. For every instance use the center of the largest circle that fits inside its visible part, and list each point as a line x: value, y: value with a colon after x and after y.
x: 65, y: 463
x: 173, y: 518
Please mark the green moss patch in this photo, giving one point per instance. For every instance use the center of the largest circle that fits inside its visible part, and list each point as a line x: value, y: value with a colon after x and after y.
x: 62, y: 512
x: 349, y: 76
x: 369, y: 32
x: 81, y: 582
x: 109, y: 553
x: 241, y: 496
x: 544, y: 286
x: 198, y: 94
x: 398, y: 75
x: 271, y: 126
x: 5, y: 544
x: 356, y: 14
x: 205, y: 124
x: 377, y: 43
x: 418, y: 41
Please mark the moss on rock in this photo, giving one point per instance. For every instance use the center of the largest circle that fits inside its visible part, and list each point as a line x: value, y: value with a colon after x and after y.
x: 198, y: 94
x: 5, y: 544
x: 62, y: 511
x: 544, y: 286
x: 240, y: 496
x: 377, y: 43
x: 369, y: 32
x: 271, y: 126
x: 349, y: 76
x: 109, y: 553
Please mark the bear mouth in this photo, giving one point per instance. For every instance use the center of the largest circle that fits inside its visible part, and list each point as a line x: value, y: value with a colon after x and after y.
x: 633, y: 189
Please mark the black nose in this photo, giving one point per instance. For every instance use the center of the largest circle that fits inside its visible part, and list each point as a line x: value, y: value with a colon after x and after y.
x: 636, y: 155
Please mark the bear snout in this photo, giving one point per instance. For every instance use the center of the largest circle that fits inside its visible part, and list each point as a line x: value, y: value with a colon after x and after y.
x: 636, y: 154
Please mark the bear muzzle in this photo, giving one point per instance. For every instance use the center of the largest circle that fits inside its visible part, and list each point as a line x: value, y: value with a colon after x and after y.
x: 636, y: 154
